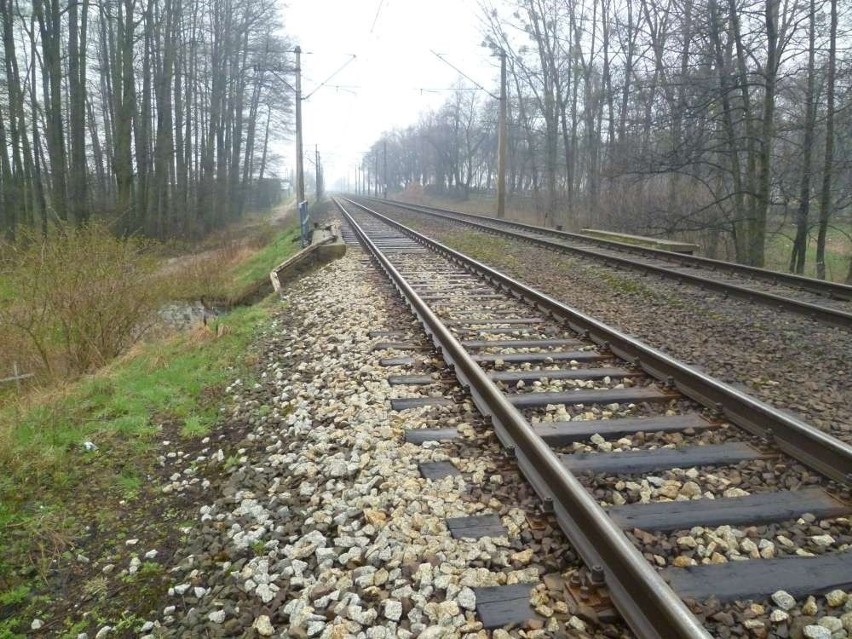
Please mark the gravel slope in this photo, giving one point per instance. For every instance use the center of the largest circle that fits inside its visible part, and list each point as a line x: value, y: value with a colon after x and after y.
x: 321, y: 526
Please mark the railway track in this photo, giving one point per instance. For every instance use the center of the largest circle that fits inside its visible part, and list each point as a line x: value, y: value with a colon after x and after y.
x: 673, y: 487
x: 823, y: 301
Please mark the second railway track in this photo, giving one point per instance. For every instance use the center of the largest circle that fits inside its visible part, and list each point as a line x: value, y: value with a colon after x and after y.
x: 678, y: 488
x: 823, y: 301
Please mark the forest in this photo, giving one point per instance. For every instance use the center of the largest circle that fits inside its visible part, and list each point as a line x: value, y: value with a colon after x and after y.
x: 156, y: 116
x: 723, y: 120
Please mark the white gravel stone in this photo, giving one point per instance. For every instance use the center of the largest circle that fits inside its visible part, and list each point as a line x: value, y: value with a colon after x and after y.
x: 809, y: 607
x: 217, y: 616
x: 577, y: 624
x: 37, y: 624
x: 263, y: 625
x: 466, y: 599
x: 816, y: 632
x: 392, y: 609
x: 778, y: 616
x: 784, y: 600
x: 832, y: 623
x: 836, y: 598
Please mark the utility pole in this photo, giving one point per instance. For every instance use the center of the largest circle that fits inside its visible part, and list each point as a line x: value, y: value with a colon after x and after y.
x: 318, y: 171
x: 385, y: 145
x: 376, y: 171
x: 300, y: 170
x: 501, y: 142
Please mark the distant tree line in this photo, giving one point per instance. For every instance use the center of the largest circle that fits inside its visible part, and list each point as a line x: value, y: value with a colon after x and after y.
x: 719, y: 118
x: 155, y: 115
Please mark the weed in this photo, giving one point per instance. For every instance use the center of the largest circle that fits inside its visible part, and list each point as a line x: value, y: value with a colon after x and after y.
x: 231, y: 461
x: 7, y: 629
x: 625, y: 284
x: 194, y: 426
x: 96, y: 587
x: 16, y: 595
x: 149, y: 568
x: 78, y: 296
x: 129, y: 483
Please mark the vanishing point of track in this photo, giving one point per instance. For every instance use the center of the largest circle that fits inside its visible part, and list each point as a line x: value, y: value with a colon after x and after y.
x: 521, y: 354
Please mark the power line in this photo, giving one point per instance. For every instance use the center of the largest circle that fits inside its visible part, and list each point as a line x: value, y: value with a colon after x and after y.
x: 450, y: 64
x: 361, y: 87
x: 324, y: 82
x: 376, y: 18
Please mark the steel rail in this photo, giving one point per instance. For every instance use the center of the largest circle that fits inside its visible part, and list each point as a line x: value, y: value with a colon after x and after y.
x: 803, y: 442
x: 834, y: 290
x: 650, y: 607
x: 814, y: 311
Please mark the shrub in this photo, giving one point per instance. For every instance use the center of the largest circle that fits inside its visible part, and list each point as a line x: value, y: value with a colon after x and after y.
x: 78, y: 296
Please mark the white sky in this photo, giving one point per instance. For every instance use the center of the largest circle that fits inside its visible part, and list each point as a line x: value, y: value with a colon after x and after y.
x: 385, y: 86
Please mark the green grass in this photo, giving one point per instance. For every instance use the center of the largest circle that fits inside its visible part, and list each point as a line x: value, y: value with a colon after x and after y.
x: 49, y: 483
x: 837, y: 255
x: 261, y: 263
x: 122, y: 408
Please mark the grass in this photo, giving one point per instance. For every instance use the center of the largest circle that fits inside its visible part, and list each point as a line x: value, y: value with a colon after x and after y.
x: 52, y: 487
x: 837, y: 255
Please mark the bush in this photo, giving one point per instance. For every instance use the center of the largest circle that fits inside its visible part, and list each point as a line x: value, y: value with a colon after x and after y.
x: 77, y: 297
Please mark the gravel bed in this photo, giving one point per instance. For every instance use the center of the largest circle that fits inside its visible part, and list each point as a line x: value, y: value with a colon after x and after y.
x: 789, y: 361
x: 320, y: 524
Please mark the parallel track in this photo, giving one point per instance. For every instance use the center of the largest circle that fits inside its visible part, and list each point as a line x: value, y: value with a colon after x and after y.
x: 659, y: 262
x: 480, y: 344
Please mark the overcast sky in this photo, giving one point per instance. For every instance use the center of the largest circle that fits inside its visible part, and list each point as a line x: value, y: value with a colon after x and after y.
x: 393, y: 78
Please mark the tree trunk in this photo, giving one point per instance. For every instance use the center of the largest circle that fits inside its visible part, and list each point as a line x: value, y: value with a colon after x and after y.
x: 800, y: 244
x: 825, y: 203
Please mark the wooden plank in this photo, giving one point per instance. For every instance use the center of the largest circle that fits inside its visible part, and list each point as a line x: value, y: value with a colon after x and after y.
x: 500, y: 606
x: 404, y: 403
x: 437, y: 470
x: 420, y: 435
x: 603, y: 396
x: 476, y: 526
x: 400, y: 346
x: 563, y: 433
x: 733, y: 511
x: 413, y: 380
x: 461, y: 296
x: 517, y: 330
x: 397, y: 361
x: 758, y: 578
x: 644, y: 461
x: 541, y: 373
x: 383, y: 333
x: 495, y: 311
x: 580, y: 356
x: 483, y: 321
x: 521, y: 343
